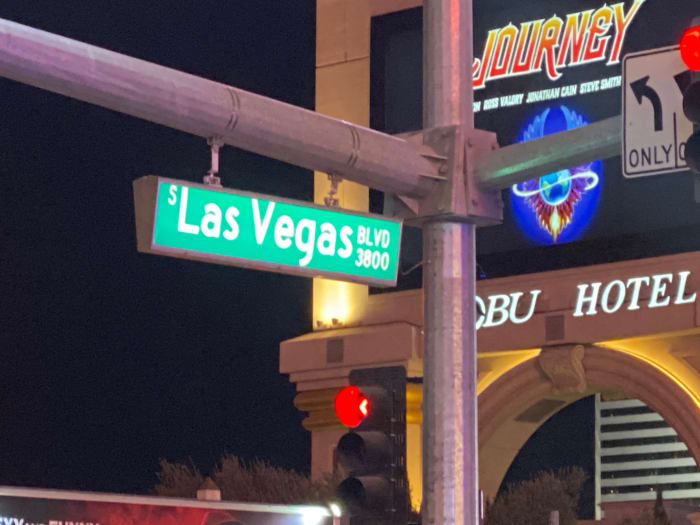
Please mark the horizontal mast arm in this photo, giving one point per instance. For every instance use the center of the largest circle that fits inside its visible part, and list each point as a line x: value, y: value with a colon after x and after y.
x: 211, y: 109
x: 506, y: 166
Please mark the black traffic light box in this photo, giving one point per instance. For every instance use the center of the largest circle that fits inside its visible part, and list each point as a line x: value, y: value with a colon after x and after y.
x: 373, y: 454
x: 689, y: 83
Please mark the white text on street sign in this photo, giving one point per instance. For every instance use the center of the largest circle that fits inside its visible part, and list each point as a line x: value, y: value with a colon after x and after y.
x: 654, y: 126
x: 195, y: 221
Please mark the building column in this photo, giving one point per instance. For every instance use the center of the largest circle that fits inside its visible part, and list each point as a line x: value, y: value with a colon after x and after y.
x: 342, y: 91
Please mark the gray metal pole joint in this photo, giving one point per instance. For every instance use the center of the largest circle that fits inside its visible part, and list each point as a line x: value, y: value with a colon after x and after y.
x: 454, y: 150
x: 331, y: 200
x: 212, y: 178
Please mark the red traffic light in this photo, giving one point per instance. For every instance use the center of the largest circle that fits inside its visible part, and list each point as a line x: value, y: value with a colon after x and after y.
x: 351, y: 406
x: 690, y: 48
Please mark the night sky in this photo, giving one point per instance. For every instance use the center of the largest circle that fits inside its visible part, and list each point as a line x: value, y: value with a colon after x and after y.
x: 113, y: 359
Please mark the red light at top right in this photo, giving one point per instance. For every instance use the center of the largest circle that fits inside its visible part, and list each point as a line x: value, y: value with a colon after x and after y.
x: 690, y: 48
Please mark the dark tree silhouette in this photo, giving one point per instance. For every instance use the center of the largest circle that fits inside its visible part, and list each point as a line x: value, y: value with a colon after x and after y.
x: 530, y: 502
x: 656, y: 516
x: 239, y: 480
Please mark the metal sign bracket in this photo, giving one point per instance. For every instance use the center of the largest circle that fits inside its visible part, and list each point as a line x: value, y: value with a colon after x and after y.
x: 457, y: 196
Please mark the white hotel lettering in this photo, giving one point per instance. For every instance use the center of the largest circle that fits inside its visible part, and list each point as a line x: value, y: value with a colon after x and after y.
x: 663, y: 289
x: 613, y: 294
x: 502, y: 308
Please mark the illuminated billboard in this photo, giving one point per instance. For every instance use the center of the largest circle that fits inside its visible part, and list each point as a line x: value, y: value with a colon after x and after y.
x: 20, y: 506
x: 542, y: 67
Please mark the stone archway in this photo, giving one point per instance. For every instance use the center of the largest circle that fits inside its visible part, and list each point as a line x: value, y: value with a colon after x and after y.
x: 523, y: 398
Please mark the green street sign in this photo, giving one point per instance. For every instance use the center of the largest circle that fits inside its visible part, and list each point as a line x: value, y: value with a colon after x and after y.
x: 219, y: 225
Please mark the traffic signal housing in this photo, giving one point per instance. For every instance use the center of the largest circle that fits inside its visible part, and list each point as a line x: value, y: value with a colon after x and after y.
x: 372, y: 455
x: 689, y: 84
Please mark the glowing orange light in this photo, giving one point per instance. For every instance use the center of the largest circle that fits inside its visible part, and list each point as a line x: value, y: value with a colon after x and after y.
x: 351, y: 406
x: 690, y: 48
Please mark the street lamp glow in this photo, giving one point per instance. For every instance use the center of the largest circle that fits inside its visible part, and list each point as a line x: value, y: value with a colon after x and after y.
x: 314, y: 515
x: 335, y: 510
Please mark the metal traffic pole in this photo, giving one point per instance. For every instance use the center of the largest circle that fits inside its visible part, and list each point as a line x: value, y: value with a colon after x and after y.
x: 450, y: 458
